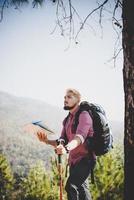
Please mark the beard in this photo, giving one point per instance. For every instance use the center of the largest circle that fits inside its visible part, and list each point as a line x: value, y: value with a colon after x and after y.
x: 69, y: 107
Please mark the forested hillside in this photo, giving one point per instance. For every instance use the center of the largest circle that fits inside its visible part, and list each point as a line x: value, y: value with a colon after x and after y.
x: 23, y: 149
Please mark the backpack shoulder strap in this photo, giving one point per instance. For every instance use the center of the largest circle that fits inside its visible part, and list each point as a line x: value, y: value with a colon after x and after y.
x: 84, y: 106
x: 65, y: 120
x: 64, y: 123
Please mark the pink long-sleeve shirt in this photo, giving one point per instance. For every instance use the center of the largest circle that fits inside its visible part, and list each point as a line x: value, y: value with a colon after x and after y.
x: 84, y: 129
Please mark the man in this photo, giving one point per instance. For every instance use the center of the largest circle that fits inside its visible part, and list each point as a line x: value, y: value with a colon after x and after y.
x: 81, y: 161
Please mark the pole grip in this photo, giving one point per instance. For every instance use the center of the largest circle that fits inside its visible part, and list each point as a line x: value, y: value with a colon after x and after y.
x: 60, y: 141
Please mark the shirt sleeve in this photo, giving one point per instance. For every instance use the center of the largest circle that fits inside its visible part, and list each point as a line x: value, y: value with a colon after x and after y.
x: 85, y: 126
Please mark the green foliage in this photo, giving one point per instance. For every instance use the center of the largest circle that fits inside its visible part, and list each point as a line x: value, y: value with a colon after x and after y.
x: 37, y: 185
x: 6, y: 179
x: 109, y: 176
x: 23, y: 152
x: 41, y: 184
x: 55, y: 180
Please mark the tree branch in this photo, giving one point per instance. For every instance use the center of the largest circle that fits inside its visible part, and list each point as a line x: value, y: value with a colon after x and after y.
x: 93, y: 11
x: 2, y: 10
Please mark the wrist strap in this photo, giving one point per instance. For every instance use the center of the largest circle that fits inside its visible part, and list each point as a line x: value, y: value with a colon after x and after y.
x: 67, y: 150
x: 60, y: 141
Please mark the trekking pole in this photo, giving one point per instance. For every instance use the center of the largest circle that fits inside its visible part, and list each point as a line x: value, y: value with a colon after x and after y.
x: 40, y: 123
x: 60, y: 175
x: 60, y: 172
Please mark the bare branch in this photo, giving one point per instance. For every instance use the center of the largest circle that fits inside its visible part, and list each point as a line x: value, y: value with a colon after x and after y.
x: 114, y: 58
x: 2, y: 10
x: 93, y: 11
x: 117, y: 49
x: 65, y: 20
x: 75, y: 11
x: 70, y: 19
x: 99, y: 7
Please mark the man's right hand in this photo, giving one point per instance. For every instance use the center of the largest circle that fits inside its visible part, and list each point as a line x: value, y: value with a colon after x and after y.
x: 42, y: 136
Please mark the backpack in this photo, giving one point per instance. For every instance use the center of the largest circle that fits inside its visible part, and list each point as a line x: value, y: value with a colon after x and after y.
x: 102, y: 140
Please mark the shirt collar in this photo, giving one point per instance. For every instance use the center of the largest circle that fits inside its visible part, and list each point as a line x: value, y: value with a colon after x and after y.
x: 74, y: 112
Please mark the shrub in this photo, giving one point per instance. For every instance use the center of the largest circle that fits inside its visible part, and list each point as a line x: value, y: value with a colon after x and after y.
x: 109, y: 176
x: 37, y: 185
x: 6, y: 179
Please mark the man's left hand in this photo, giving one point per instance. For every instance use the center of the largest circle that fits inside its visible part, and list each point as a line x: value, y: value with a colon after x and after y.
x: 60, y: 150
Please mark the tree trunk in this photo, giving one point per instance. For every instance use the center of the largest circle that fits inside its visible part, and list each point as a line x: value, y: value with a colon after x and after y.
x: 128, y: 75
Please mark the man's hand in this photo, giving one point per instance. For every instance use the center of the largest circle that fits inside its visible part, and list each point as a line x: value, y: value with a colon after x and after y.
x: 60, y: 150
x: 42, y: 136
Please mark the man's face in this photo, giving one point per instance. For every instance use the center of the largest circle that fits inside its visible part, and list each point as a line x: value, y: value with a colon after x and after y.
x: 70, y: 101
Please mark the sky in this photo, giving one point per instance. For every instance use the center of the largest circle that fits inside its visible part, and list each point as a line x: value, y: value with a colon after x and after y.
x: 38, y: 64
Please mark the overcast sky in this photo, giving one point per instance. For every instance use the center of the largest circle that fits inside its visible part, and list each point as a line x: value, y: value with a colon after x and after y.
x: 37, y: 64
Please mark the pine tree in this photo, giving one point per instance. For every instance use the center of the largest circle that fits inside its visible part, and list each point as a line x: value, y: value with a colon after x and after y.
x: 109, y: 177
x: 6, y: 179
x: 37, y: 185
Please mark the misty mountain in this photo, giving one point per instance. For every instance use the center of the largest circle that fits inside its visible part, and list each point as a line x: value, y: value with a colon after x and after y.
x: 22, y: 149
x: 21, y: 111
